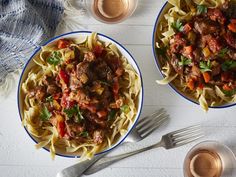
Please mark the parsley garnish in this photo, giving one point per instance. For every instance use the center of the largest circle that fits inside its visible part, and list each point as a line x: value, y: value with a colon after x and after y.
x: 45, y: 114
x: 125, y: 108
x: 112, y: 114
x: 229, y: 93
x: 228, y: 65
x: 205, y: 66
x: 201, y: 9
x: 49, y: 99
x: 184, y: 61
x: 55, y: 58
x: 84, y: 134
x: 177, y: 25
x: 222, y: 52
x: 74, y: 111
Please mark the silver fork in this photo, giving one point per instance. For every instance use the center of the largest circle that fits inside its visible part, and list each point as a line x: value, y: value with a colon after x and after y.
x: 143, y: 128
x: 168, y: 141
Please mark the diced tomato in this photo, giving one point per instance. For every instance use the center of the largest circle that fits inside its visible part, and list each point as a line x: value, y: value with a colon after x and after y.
x: 61, y: 128
x: 102, y: 113
x: 116, y: 87
x: 232, y: 27
x: 64, y: 76
x: 63, y: 43
x: 206, y: 77
x: 226, y: 87
x: 56, y: 96
x: 200, y: 86
x: 191, y: 84
x: 98, y: 50
x: 187, y: 28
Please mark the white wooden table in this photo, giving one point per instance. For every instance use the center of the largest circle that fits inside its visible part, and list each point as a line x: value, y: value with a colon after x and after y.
x: 19, y: 158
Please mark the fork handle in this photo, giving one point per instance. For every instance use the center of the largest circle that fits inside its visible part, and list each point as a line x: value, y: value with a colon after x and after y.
x: 107, y: 161
x: 78, y: 169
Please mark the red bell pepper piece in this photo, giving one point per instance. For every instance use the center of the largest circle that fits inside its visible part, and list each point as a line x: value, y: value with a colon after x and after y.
x: 64, y: 76
x: 63, y: 43
x: 61, y: 128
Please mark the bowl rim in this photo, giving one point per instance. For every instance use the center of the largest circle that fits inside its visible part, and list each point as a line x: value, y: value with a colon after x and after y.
x: 122, y: 138
x: 159, y: 67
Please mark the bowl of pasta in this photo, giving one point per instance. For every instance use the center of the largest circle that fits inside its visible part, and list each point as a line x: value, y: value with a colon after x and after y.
x: 194, y: 44
x: 80, y: 94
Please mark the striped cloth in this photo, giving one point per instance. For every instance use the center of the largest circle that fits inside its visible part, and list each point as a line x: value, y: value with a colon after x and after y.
x: 25, y: 25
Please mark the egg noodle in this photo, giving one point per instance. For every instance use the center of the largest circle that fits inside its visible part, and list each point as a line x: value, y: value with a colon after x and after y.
x: 45, y: 133
x: 184, y: 10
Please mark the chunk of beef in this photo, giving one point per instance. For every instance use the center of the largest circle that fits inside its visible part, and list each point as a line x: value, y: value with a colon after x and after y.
x: 213, y: 43
x: 93, y: 119
x: 195, y: 71
x: 51, y: 85
x: 89, y: 56
x: 216, y: 15
x: 230, y: 39
x: 103, y: 70
x: 39, y: 93
x: 81, y: 97
x: 106, y: 97
x: 232, y: 54
x: 205, y: 26
x: 75, y: 83
x: 177, y: 43
x: 114, y: 63
x: 98, y: 136
x: 216, y: 70
x: 74, y: 129
x: 175, y: 64
x: 84, y: 72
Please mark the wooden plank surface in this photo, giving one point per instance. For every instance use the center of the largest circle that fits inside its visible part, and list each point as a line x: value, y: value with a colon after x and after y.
x: 18, y: 157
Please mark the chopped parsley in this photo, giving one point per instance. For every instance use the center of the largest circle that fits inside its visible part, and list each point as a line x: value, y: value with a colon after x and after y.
x: 49, y: 99
x: 205, y: 66
x: 84, y: 134
x: 112, y: 114
x: 55, y: 58
x: 74, y: 111
x: 184, y: 61
x: 229, y: 93
x: 222, y: 52
x: 201, y: 9
x: 177, y: 25
x: 228, y: 65
x: 125, y: 108
x: 45, y: 114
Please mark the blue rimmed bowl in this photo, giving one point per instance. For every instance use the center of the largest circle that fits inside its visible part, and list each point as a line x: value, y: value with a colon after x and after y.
x: 80, y: 35
x: 155, y: 35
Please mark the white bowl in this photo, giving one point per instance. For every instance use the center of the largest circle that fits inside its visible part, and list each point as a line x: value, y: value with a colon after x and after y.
x: 76, y: 35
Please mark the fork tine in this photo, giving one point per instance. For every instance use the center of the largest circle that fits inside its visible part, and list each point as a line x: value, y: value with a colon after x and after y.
x: 189, y: 140
x: 151, y: 124
x: 185, y: 129
x: 150, y: 117
x: 187, y: 133
x: 155, y: 126
x: 187, y: 137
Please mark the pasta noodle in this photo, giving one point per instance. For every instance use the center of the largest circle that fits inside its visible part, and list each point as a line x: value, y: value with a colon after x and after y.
x: 45, y: 132
x: 176, y: 12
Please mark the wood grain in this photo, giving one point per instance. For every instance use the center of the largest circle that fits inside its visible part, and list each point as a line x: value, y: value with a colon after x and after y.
x: 18, y: 157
